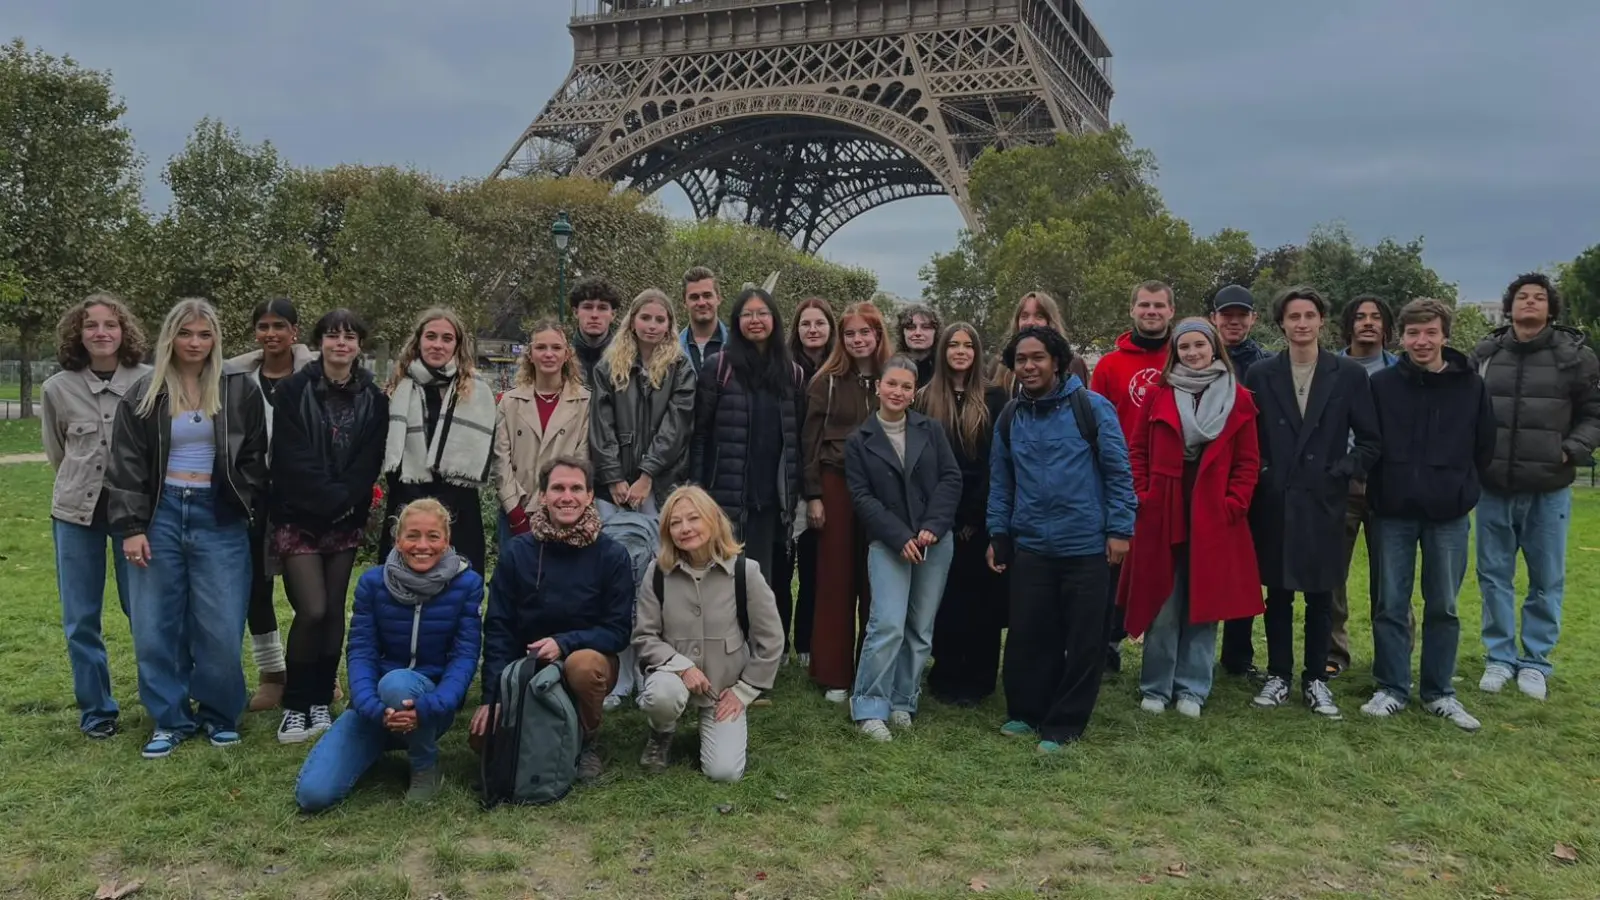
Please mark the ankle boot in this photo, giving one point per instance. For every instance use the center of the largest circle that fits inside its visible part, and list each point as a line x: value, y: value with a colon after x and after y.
x: 269, y: 693
x: 657, y: 752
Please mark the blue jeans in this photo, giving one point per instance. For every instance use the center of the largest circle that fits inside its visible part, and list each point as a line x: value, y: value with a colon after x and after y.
x: 1178, y: 654
x: 905, y: 602
x: 81, y: 582
x: 353, y: 744
x: 188, y: 611
x: 1536, y: 524
x: 1444, y: 566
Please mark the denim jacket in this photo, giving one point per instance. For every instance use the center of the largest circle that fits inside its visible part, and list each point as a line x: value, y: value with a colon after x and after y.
x: 76, y: 414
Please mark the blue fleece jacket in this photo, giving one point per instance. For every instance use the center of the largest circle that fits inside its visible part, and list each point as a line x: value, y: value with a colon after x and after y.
x: 1045, y: 490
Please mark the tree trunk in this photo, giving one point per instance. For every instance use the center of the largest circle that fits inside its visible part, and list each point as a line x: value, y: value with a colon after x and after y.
x: 29, y: 341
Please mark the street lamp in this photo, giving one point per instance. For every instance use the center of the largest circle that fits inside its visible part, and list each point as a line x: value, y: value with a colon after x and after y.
x: 561, y: 233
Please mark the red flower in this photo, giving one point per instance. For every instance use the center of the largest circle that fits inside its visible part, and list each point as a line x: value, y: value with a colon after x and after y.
x: 377, y: 496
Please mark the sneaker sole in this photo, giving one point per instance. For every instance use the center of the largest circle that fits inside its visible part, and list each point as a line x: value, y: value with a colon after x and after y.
x: 300, y: 738
x: 233, y: 743
x: 157, y: 754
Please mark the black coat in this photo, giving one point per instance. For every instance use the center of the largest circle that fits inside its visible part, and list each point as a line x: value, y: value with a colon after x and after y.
x: 1297, y: 516
x: 896, y: 500
x: 313, y: 486
x: 974, y: 508
x: 719, y: 451
x: 1438, y: 436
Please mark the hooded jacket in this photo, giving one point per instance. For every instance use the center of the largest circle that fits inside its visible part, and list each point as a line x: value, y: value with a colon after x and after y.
x: 140, y: 445
x: 439, y: 639
x: 1546, y: 405
x: 1046, y: 493
x: 1126, y: 376
x: 1438, y: 436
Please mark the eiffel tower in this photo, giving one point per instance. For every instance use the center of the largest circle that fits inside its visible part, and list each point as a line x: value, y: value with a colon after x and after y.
x: 799, y: 115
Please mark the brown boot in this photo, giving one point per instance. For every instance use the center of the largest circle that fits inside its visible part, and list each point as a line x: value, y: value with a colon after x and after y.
x: 269, y: 693
x: 657, y: 752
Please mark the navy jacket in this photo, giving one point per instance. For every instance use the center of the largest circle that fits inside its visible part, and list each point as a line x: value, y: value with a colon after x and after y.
x: 1438, y: 437
x: 895, y: 500
x: 1046, y: 492
x: 448, y: 635
x: 1245, y: 355
x: 581, y: 596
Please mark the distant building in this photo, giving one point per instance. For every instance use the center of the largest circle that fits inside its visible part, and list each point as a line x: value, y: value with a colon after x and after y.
x: 1491, y: 309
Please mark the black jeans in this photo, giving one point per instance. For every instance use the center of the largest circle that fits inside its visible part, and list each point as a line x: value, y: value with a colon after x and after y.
x: 1057, y: 649
x: 797, y: 610
x: 263, y: 618
x: 1280, y: 634
x: 1116, y: 622
x: 759, y: 534
x: 1238, y: 653
x: 966, y: 633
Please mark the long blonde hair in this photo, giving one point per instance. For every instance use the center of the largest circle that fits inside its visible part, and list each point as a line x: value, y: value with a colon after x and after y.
x: 466, y: 352
x: 624, y: 349
x: 966, y: 424
x: 166, y: 378
x: 527, y: 371
x: 720, y: 542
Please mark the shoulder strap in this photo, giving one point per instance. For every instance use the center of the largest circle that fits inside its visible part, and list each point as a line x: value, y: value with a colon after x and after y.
x: 1088, y: 425
x: 1007, y: 414
x: 722, y: 369
x: 660, y: 581
x: 741, y: 596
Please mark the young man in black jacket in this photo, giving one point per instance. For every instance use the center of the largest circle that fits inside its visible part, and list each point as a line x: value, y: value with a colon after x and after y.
x: 595, y: 302
x: 1438, y: 434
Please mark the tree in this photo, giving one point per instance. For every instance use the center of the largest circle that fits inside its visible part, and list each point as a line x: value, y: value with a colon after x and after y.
x: 1579, y: 284
x: 1468, y: 328
x: 1334, y: 263
x: 68, y: 188
x: 226, y: 237
x: 1081, y: 220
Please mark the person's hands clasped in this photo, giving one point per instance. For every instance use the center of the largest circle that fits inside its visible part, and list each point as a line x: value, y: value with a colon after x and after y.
x: 545, y: 650
x: 696, y: 681
x: 137, y: 550
x: 729, y: 706
x: 639, y: 492
x: 403, y: 721
x: 912, y: 552
x: 619, y: 493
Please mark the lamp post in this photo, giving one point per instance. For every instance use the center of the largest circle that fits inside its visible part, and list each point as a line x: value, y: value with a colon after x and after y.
x: 561, y: 233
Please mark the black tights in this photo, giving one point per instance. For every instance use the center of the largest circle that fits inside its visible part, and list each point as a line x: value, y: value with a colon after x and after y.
x: 316, y: 585
x: 262, y: 617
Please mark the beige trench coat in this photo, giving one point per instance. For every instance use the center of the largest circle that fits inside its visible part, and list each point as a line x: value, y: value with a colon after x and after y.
x: 522, y: 446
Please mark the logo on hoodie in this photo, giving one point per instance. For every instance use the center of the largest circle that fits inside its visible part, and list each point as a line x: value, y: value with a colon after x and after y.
x: 1141, y: 383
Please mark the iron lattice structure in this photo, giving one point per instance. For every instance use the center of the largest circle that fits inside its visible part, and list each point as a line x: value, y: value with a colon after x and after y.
x: 799, y: 115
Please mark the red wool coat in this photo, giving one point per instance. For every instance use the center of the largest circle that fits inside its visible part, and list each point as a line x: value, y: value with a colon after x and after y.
x: 1223, y: 580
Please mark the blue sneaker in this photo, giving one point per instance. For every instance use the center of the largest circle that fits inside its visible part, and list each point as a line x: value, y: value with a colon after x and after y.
x: 1050, y: 746
x: 161, y: 744
x: 222, y: 737
x: 1015, y: 728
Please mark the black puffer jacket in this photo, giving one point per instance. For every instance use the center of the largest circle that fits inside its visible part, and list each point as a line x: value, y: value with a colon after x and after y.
x: 1546, y: 403
x: 140, y: 445
x: 312, y: 485
x: 720, y: 452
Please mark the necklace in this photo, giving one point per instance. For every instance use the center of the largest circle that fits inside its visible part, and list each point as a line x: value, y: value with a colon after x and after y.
x: 548, y: 398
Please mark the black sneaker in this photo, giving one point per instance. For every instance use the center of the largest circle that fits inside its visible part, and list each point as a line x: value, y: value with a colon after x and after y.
x: 102, y: 730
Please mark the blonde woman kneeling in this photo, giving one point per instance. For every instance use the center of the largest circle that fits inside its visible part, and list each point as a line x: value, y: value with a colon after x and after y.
x: 691, y: 642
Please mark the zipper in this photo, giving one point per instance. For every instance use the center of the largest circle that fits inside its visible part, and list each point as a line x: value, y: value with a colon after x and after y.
x: 416, y: 626
x: 1516, y: 421
x: 227, y: 463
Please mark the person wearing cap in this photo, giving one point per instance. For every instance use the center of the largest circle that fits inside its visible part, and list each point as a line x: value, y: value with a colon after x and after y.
x: 1233, y: 314
x: 1367, y: 327
x: 594, y: 304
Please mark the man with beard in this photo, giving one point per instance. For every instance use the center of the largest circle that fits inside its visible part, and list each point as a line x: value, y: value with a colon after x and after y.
x: 919, y: 330
x: 705, y: 334
x: 1124, y: 376
x: 563, y: 592
x: 1367, y: 327
x: 594, y: 304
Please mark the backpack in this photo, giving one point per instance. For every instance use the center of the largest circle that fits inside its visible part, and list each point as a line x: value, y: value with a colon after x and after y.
x: 637, y: 533
x: 741, y: 594
x: 1082, y: 411
x: 531, y: 757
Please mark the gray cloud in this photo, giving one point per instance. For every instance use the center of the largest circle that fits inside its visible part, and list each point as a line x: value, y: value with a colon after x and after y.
x: 1467, y: 122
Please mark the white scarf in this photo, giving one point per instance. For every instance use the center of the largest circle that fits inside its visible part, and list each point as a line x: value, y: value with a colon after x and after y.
x: 467, y: 423
x: 1202, y: 421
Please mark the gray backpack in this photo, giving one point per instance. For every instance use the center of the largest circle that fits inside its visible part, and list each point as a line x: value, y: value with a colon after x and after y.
x: 531, y: 758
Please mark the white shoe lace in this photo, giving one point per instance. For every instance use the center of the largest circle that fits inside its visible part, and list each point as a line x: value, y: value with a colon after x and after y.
x: 321, y: 717
x: 1321, y: 696
x: 1273, y: 689
x: 293, y: 721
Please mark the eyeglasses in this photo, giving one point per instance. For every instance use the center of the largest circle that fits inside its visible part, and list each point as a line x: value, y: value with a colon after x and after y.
x: 753, y: 314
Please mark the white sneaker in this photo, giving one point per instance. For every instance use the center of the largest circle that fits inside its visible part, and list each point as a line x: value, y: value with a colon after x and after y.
x: 1451, y: 708
x: 876, y: 729
x: 1153, y: 705
x: 1320, y: 698
x: 900, y: 719
x: 612, y: 703
x: 1494, y: 678
x: 1382, y: 705
x: 1273, y: 693
x: 1189, y: 707
x: 836, y: 696
x: 321, y: 720
x: 293, y: 728
x: 1532, y: 683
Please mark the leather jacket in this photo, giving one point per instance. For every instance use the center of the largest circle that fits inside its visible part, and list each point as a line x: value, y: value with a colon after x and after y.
x: 140, y: 445
x: 312, y: 485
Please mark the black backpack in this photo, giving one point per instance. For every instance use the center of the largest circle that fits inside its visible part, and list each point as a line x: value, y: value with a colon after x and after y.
x: 1082, y: 411
x: 741, y: 594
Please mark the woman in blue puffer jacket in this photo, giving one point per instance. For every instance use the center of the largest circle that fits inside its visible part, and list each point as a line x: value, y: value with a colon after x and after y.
x: 414, y: 640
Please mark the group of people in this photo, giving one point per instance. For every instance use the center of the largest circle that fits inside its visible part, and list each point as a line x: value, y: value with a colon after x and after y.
x: 927, y: 498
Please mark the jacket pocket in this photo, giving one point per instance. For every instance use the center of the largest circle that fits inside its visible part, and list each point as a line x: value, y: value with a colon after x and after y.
x: 83, y: 439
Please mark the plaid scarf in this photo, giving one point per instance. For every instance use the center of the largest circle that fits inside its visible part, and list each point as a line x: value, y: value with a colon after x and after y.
x: 581, y: 534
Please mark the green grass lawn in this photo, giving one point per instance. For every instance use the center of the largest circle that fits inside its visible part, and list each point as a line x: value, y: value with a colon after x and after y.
x: 1240, y: 804
x: 22, y: 436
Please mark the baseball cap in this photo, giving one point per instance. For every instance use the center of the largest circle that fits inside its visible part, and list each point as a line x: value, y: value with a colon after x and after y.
x: 1235, y: 297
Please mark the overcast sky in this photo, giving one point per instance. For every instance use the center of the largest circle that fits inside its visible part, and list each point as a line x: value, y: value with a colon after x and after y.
x: 1470, y: 122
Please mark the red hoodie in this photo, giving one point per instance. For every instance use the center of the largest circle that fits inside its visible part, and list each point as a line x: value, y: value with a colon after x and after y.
x: 1125, y: 375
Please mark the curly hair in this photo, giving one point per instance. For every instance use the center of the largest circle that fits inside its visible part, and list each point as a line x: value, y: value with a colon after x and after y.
x: 595, y: 289
x: 1538, y: 279
x: 1053, y: 342
x: 74, y: 356
x: 907, y: 317
x: 1347, y: 321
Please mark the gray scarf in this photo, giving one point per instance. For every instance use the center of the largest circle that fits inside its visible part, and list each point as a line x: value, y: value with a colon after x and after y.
x: 1205, y: 400
x: 412, y: 588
